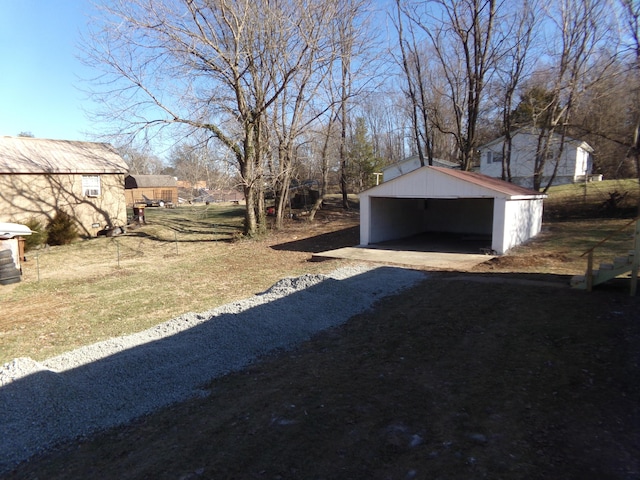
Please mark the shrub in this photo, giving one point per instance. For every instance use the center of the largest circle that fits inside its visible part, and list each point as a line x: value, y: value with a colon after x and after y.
x: 61, y: 229
x: 38, y: 237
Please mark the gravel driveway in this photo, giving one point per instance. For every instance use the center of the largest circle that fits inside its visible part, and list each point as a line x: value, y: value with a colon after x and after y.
x: 112, y: 382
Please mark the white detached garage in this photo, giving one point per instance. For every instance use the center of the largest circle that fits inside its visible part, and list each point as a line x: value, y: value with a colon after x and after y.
x: 437, y: 199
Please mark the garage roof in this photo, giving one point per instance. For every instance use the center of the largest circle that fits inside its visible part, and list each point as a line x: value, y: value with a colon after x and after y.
x: 439, y: 182
x: 506, y: 188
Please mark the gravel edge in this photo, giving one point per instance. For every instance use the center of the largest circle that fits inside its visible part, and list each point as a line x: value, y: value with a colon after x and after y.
x: 113, y: 382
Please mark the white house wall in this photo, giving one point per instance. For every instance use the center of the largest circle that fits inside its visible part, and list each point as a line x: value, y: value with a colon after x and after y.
x: 583, y: 164
x: 573, y: 163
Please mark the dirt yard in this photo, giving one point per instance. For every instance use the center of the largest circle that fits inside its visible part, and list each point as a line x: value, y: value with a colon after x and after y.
x: 486, y: 374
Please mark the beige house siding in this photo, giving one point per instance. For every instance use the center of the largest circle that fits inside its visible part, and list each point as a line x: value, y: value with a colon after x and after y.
x: 39, y: 177
x: 26, y: 196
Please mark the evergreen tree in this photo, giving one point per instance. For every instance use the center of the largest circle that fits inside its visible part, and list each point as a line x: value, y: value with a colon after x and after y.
x: 534, y: 108
x: 363, y: 163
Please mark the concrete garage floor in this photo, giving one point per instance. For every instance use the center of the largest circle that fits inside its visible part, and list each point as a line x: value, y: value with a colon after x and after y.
x: 428, y: 250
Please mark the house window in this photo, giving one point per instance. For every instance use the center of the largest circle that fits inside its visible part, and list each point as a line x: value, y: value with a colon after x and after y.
x: 91, y: 185
x: 493, y: 157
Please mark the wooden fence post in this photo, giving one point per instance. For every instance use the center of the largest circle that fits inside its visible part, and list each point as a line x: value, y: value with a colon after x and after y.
x: 589, y: 273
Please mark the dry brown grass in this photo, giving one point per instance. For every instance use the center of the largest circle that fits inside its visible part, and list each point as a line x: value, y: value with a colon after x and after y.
x: 190, y: 259
x: 106, y: 287
x: 495, y: 373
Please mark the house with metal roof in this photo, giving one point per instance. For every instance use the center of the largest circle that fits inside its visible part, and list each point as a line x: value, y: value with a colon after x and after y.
x: 39, y: 177
x: 462, y: 204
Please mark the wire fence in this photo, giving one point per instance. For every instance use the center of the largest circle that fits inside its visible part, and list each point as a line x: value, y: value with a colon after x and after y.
x: 130, y: 251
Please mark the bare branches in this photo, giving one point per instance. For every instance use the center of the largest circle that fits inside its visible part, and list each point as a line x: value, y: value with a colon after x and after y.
x: 220, y: 66
x: 461, y: 44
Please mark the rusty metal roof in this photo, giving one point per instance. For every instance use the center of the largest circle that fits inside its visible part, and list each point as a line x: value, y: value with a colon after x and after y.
x: 489, y: 182
x: 38, y: 155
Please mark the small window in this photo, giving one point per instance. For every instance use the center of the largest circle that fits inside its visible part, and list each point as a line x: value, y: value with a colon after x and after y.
x: 493, y: 157
x: 91, y: 185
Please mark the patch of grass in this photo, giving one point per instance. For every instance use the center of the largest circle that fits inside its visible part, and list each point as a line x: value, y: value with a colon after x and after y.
x: 104, y: 287
x: 190, y: 259
x: 462, y: 376
x: 593, y: 200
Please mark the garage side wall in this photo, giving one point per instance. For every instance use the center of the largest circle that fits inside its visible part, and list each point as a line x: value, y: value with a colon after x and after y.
x: 521, y: 220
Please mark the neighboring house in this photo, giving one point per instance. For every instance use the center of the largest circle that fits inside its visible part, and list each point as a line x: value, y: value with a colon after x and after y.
x: 152, y: 190
x: 39, y: 177
x: 574, y: 165
x: 444, y: 200
x: 410, y: 164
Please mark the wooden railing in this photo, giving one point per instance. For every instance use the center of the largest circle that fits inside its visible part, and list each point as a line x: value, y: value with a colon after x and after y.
x: 636, y: 257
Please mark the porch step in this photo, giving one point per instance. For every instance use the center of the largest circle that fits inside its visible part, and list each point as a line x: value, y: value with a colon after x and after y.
x: 605, y: 272
x: 622, y: 265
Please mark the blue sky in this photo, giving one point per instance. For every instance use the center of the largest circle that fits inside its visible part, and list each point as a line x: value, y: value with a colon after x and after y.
x: 39, y: 72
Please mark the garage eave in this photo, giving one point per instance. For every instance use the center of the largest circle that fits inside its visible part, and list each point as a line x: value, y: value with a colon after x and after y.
x: 528, y: 197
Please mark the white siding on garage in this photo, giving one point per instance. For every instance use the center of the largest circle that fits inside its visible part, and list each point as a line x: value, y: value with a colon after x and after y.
x: 433, y: 199
x: 416, y: 183
x: 523, y: 220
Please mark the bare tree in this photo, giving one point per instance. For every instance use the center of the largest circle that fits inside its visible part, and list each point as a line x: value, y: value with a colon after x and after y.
x: 631, y: 19
x: 327, y: 149
x: 519, y: 33
x: 461, y: 38
x: 192, y: 164
x: 346, y: 35
x: 386, y: 114
x: 284, y: 131
x: 214, y: 67
x: 581, y: 29
x: 414, y: 65
x: 140, y: 161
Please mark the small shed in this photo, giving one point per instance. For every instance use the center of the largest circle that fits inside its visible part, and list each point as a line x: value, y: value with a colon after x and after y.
x: 152, y: 190
x: 436, y: 199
